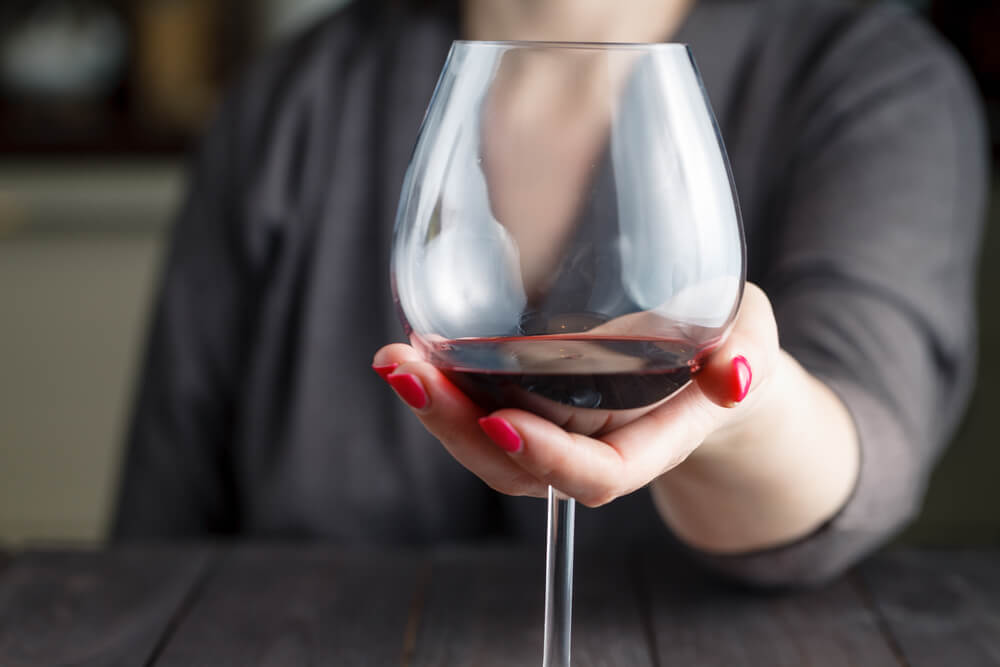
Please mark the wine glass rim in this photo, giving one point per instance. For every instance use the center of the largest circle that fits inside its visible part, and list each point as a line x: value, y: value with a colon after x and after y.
x: 600, y: 46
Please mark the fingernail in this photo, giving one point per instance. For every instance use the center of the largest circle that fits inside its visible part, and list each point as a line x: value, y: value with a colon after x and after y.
x: 501, y: 433
x: 741, y: 379
x: 384, y: 370
x: 409, y: 389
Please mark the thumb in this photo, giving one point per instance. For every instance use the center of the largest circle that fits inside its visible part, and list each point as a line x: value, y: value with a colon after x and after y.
x: 745, y: 360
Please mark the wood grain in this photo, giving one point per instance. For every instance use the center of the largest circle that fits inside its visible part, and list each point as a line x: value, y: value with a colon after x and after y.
x: 700, y: 621
x: 482, y: 608
x: 942, y: 608
x: 293, y: 606
x: 609, y: 626
x: 487, y: 608
x: 87, y: 608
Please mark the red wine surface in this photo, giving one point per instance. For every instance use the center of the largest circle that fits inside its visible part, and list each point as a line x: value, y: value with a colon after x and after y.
x: 607, y: 373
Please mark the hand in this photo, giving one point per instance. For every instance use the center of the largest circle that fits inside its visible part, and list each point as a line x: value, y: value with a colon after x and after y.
x: 519, y: 453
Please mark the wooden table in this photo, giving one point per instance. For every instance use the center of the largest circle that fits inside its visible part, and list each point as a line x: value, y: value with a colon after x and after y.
x: 288, y: 606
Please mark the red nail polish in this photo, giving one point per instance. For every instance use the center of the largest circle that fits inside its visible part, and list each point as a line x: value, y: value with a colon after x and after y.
x: 741, y: 379
x: 501, y: 433
x: 409, y: 389
x: 383, y: 371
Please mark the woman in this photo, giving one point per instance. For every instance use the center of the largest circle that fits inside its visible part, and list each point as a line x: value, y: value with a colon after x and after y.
x: 858, y: 153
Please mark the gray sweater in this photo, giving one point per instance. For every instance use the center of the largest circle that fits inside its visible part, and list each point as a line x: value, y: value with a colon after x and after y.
x: 858, y: 153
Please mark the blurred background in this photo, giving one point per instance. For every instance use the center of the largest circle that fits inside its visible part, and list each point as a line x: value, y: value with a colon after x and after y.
x: 99, y: 102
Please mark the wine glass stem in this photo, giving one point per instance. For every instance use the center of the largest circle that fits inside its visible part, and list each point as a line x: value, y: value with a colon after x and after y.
x: 559, y: 580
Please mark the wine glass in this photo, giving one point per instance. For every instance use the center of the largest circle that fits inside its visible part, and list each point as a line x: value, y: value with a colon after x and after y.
x: 568, y: 242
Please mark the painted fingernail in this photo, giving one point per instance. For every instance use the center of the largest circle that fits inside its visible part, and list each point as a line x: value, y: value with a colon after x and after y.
x: 501, y: 433
x: 384, y: 370
x: 409, y: 389
x: 741, y: 379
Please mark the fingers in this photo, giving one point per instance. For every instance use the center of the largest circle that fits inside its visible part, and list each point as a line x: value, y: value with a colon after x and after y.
x: 745, y: 360
x: 633, y: 454
x: 453, y: 419
x: 388, y: 358
x: 581, y: 467
x: 596, y: 471
x: 515, y: 452
x: 520, y: 453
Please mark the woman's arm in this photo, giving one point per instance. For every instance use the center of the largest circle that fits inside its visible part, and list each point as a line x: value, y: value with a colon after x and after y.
x: 780, y: 470
x: 876, y: 232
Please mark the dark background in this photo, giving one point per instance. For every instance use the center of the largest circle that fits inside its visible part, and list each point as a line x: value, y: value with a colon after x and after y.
x: 99, y: 102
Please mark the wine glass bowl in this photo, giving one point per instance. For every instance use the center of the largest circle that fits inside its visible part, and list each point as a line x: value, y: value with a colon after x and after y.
x: 568, y: 231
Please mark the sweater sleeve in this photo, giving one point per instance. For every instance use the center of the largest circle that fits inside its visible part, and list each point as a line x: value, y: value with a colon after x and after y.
x: 173, y: 481
x: 875, y: 244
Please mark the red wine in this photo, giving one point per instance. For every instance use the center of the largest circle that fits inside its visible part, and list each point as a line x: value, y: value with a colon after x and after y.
x: 608, y: 373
